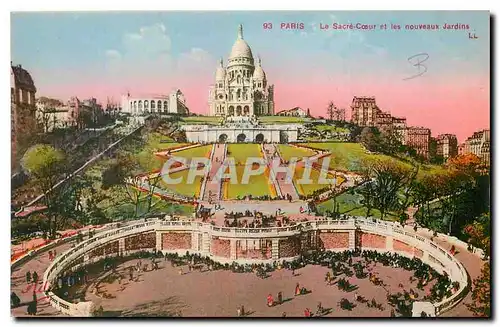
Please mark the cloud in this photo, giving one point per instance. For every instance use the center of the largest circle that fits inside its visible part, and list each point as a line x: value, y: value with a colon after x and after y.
x: 147, y: 53
x: 113, y: 54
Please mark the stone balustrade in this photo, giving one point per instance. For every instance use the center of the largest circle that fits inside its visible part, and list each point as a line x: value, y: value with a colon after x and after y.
x: 263, y: 245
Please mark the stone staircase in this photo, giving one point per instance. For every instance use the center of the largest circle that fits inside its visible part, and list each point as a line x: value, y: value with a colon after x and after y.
x: 217, y: 158
x: 282, y: 186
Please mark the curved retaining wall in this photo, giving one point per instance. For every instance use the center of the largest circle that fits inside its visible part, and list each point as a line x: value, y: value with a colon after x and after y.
x: 255, y: 245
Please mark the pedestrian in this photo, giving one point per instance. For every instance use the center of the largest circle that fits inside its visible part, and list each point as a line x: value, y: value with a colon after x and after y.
x: 14, y: 300
x: 28, y: 277
x: 293, y: 271
x: 307, y: 313
x: 283, y: 315
x: 242, y: 310
x: 35, y: 277
x: 280, y: 298
x: 270, y: 300
x: 297, y: 289
x: 50, y: 255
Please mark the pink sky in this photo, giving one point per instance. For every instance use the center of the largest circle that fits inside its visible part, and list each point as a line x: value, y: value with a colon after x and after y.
x: 459, y: 105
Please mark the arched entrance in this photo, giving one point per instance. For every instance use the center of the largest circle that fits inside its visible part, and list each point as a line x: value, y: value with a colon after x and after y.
x: 259, y: 138
x: 283, y: 137
x: 238, y: 111
x: 241, y: 138
x: 231, y: 111
x: 222, y: 138
x: 246, y: 110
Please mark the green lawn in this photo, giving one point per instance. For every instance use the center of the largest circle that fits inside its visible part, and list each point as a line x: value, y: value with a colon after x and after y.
x: 170, y: 145
x: 258, y: 185
x: 209, y: 120
x: 240, y: 152
x: 282, y: 120
x: 308, y: 189
x: 199, y: 151
x: 287, y: 152
x: 183, y: 188
x: 331, y: 128
x: 347, y: 156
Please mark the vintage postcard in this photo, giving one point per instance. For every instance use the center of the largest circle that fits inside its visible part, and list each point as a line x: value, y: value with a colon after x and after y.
x: 250, y: 164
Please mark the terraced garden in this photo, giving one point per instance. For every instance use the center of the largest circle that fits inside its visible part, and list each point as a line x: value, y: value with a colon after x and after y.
x: 258, y: 185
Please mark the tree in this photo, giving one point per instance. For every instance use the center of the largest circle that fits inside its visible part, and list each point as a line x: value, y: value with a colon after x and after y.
x: 46, y: 165
x: 389, y: 178
x: 125, y: 172
x: 334, y: 112
x: 406, y: 194
x: 370, y: 138
x: 479, y: 233
x: 367, y: 191
x: 481, y: 293
x: 330, y: 110
x: 469, y: 164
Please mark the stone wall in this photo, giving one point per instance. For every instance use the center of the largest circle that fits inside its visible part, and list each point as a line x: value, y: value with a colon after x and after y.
x: 176, y: 241
x: 369, y: 240
x: 140, y: 241
x: 221, y: 247
x: 106, y: 249
x: 402, y: 246
x: 289, y: 247
x: 260, y: 250
x: 328, y: 240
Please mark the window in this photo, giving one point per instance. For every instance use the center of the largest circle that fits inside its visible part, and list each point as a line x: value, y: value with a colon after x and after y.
x: 165, y: 106
x: 140, y: 104
x: 25, y: 98
x: 146, y: 104
x: 153, y: 105
x: 159, y: 104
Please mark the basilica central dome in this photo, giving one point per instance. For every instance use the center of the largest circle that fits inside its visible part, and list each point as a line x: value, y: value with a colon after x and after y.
x: 240, y: 48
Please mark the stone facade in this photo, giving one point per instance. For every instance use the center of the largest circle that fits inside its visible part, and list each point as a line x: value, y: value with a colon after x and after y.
x: 294, y: 112
x: 241, y: 132
x: 369, y: 240
x: 241, y: 88
x: 335, y: 240
x: 447, y: 145
x: 418, y: 138
x: 289, y: 247
x: 221, y: 247
x: 140, y: 241
x: 479, y: 144
x: 174, y: 103
x: 253, y: 249
x: 107, y: 249
x: 176, y: 241
x: 402, y: 246
x: 22, y: 111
